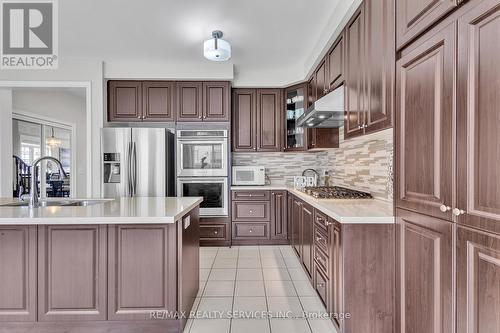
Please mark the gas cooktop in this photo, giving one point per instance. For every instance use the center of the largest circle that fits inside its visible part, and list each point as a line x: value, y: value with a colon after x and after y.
x: 335, y: 192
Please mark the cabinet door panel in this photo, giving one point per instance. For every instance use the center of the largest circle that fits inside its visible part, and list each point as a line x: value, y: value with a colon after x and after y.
x: 189, y: 101
x: 216, y: 101
x: 269, y: 119
x: 18, y: 273
x: 158, y: 100
x: 124, y: 101
x: 424, y: 274
x: 72, y: 273
x: 380, y: 53
x: 335, y: 64
x: 279, y: 215
x: 354, y: 75
x: 251, y: 211
x: 424, y: 140
x: 414, y: 16
x: 244, y: 120
x: 321, y: 78
x: 478, y: 121
x: 307, y: 237
x: 297, y: 226
x: 142, y: 270
x: 478, y: 281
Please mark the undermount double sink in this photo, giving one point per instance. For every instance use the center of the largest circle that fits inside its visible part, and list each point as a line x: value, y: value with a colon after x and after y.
x: 59, y: 203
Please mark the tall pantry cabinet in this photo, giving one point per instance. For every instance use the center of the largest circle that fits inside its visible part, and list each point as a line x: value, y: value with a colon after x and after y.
x: 447, y: 172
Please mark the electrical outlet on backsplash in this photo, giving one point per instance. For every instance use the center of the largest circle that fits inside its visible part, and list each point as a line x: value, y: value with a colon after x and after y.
x: 363, y: 164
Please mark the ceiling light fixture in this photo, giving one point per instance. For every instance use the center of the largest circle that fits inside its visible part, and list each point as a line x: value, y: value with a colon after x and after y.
x: 217, y: 49
x: 53, y: 141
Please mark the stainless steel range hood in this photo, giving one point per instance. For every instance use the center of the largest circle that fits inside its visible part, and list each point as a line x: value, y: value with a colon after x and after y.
x: 326, y: 112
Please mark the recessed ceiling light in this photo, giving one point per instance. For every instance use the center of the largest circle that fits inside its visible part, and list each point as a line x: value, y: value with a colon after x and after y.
x: 217, y: 49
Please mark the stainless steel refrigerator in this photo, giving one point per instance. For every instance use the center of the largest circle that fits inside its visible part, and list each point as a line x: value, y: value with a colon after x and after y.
x: 137, y: 162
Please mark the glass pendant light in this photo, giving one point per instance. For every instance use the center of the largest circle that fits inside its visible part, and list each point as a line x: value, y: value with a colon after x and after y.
x: 53, y: 141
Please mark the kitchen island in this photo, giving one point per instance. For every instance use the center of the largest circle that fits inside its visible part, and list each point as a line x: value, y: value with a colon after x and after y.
x: 125, y: 265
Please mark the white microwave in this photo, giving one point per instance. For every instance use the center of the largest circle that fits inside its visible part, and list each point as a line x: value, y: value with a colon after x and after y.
x: 249, y: 175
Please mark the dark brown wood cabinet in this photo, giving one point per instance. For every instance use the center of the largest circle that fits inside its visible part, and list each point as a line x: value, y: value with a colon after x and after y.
x: 379, y: 68
x: 478, y: 121
x: 279, y: 226
x: 424, y: 144
x: 306, y: 239
x: 478, y: 281
x: 424, y: 273
x: 216, y: 101
x: 72, y: 273
x: 269, y: 124
x: 335, y: 62
x: 142, y: 274
x: 354, y: 63
x: 256, y: 120
x: 18, y: 280
x: 296, y: 229
x: 125, y: 101
x: 415, y: 16
x: 259, y: 217
x: 158, y: 99
x: 321, y: 79
x: 189, y: 101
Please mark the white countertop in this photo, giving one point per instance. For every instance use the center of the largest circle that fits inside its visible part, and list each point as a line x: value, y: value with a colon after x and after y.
x: 118, y: 211
x: 347, y: 211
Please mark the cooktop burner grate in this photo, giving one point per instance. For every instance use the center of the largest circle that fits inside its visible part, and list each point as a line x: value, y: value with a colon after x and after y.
x: 335, y: 192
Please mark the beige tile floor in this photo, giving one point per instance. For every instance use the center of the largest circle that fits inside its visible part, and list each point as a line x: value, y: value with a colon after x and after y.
x: 264, y: 282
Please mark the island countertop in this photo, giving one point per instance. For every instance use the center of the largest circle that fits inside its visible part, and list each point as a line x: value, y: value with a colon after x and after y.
x: 137, y: 210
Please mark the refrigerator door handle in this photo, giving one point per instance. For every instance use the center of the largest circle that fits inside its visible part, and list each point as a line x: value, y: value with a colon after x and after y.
x: 134, y: 181
x: 129, y: 175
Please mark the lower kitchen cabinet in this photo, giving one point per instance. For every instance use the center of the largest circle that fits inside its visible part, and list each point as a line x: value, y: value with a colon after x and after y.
x: 259, y: 217
x: 142, y: 270
x: 18, y: 280
x: 424, y: 278
x: 215, y: 231
x: 478, y: 281
x: 72, y: 272
x: 352, y: 268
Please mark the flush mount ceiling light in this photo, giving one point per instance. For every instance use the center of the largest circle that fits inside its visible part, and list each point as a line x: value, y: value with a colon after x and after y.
x: 217, y: 49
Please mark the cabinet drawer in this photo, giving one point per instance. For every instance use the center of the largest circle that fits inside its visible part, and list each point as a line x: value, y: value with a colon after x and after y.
x: 320, y: 220
x: 251, y: 195
x: 321, y: 239
x: 259, y: 211
x: 321, y: 284
x: 321, y: 260
x: 245, y: 230
x: 213, y: 231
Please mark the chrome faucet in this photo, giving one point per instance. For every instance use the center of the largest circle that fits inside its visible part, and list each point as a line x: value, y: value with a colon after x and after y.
x: 33, y: 190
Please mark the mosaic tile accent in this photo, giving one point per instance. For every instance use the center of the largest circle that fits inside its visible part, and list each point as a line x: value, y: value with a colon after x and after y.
x: 363, y: 164
x: 282, y: 167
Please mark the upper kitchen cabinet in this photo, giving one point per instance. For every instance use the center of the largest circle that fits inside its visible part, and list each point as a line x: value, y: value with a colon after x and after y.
x: 158, y: 101
x: 478, y: 121
x: 244, y: 120
x: 189, y: 101
x: 216, y: 101
x: 125, y: 101
x: 295, y: 106
x: 256, y: 119
x: 320, y: 79
x: 424, y: 118
x: 335, y: 62
x: 269, y: 119
x: 354, y: 78
x: 379, y: 69
x: 415, y: 16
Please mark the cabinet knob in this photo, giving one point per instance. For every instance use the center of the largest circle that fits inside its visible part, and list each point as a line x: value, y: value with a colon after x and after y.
x: 458, y: 212
x: 327, y: 224
x: 199, y: 117
x: 138, y: 117
x: 444, y: 208
x: 250, y: 211
x: 250, y: 231
x: 320, y: 285
x: 318, y: 239
x: 216, y: 232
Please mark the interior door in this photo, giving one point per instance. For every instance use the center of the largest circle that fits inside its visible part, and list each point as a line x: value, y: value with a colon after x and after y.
x: 148, y: 166
x: 478, y: 135
x: 425, y: 113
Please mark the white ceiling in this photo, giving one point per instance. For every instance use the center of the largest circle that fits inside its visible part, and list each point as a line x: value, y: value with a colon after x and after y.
x: 273, y: 41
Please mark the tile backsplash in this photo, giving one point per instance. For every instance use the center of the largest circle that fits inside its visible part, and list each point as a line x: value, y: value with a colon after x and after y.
x: 363, y: 163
